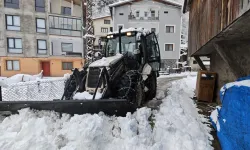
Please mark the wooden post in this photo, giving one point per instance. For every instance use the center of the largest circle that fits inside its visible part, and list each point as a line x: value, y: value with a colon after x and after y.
x: 199, y: 61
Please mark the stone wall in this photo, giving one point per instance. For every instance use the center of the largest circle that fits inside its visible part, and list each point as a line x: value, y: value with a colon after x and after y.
x: 165, y: 63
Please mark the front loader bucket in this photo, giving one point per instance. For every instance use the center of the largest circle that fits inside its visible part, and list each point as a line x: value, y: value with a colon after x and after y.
x: 110, y: 107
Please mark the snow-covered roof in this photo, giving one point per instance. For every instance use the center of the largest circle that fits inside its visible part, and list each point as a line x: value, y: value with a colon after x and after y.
x: 120, y: 3
x: 101, y: 16
x: 141, y: 30
x: 131, y: 1
x: 207, y: 63
x: 106, y: 61
x: 184, y: 46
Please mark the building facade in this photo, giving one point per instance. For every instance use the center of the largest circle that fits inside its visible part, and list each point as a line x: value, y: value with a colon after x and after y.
x: 161, y: 16
x: 219, y: 29
x: 102, y: 26
x: 40, y: 35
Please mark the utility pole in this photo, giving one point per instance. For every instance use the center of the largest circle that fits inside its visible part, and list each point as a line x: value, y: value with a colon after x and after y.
x: 84, y: 3
x: 88, y: 29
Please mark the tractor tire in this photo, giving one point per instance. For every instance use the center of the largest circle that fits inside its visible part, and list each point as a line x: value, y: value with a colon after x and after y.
x: 130, y: 87
x: 152, y: 86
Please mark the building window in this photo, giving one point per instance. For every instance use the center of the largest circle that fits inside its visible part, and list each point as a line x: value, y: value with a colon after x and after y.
x: 106, y: 21
x: 40, y: 5
x: 67, y: 47
x: 153, y: 29
x: 169, y: 47
x: 242, y: 4
x: 194, y: 62
x: 13, y: 23
x: 169, y: 29
x: 104, y: 30
x: 66, y: 10
x: 41, y: 47
x: 14, y: 45
x: 111, y: 29
x: 121, y: 14
x: 65, y: 23
x: 146, y: 14
x: 40, y: 25
x: 137, y: 13
x: 12, y: 65
x: 165, y: 12
x: 67, y: 65
x: 152, y: 13
x: 11, y: 3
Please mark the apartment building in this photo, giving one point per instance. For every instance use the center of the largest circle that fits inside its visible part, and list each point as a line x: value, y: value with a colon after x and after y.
x: 102, y: 26
x: 161, y: 16
x: 40, y: 35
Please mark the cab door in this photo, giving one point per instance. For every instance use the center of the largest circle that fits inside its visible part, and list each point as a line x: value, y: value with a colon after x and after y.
x: 153, y: 52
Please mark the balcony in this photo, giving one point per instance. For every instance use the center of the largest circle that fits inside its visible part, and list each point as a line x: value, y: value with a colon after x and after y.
x: 65, y: 25
x: 133, y: 18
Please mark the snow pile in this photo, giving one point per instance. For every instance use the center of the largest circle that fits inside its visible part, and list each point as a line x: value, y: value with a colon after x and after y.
x: 66, y: 76
x: 141, y: 30
x: 176, y: 125
x: 88, y: 36
x: 21, y: 78
x: 183, y: 74
x: 214, y: 117
x: 106, y: 61
x: 46, y: 130
x: 86, y: 96
x: 237, y: 83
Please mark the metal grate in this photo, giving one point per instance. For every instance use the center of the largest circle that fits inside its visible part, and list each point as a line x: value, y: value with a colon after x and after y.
x: 93, y: 77
x: 45, y: 90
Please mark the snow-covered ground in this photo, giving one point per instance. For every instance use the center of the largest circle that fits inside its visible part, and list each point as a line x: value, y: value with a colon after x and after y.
x: 175, y: 126
x: 183, y: 74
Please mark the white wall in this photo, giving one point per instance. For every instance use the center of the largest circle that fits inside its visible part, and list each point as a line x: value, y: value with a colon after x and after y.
x: 56, y: 7
x: 98, y: 24
x: 58, y: 40
x: 173, y: 17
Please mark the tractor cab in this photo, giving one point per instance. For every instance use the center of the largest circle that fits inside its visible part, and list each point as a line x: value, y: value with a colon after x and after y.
x: 138, y: 45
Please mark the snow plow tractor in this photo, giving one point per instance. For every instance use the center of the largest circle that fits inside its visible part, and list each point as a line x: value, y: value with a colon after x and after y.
x: 123, y: 80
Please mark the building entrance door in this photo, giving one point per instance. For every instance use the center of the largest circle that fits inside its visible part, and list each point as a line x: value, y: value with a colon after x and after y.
x: 46, y: 68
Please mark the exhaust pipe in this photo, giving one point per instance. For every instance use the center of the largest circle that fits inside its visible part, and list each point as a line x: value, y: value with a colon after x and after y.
x: 120, y: 40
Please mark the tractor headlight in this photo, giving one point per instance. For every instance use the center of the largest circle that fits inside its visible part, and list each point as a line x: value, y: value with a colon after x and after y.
x: 110, y: 36
x: 129, y: 33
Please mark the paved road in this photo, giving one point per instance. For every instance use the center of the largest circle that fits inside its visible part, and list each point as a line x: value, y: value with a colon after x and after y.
x: 162, y: 89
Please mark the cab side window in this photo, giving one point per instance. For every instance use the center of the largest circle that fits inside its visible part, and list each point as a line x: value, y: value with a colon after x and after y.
x: 152, y: 47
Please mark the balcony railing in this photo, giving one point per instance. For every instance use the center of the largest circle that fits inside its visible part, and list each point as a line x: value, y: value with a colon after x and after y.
x: 65, y: 25
x: 132, y: 17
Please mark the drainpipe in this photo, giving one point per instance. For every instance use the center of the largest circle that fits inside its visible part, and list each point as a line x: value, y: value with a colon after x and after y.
x: 72, y: 8
x: 120, y: 40
x: 60, y: 7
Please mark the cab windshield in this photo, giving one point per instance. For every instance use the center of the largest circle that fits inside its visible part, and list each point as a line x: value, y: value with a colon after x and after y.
x: 128, y: 45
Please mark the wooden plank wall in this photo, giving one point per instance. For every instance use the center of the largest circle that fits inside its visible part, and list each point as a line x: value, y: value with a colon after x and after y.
x: 207, y: 18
